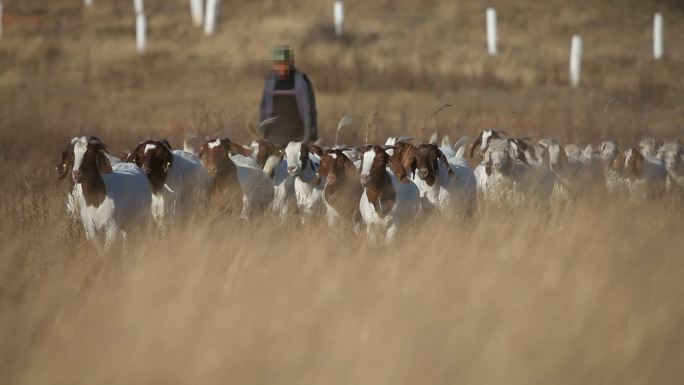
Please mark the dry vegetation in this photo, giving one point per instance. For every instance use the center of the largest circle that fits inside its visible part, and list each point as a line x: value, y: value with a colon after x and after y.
x: 587, y: 294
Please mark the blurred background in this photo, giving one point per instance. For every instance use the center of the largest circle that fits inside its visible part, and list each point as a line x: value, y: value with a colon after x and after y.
x: 78, y: 67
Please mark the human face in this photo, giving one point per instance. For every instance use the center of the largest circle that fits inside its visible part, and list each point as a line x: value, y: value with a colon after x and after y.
x: 281, y: 68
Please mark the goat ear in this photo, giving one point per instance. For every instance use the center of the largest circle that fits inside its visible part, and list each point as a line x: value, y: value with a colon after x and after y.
x: 135, y: 155
x: 446, y: 163
x: 397, y: 168
x: 166, y: 144
x: 102, y: 162
x: 168, y: 160
x: 475, y: 144
x: 313, y: 148
x: 236, y: 148
x: 62, y: 168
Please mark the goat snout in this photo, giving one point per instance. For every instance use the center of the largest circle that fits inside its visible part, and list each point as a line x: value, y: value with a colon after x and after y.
x: 292, y: 170
x: 423, y: 173
x: 212, y: 170
x: 365, y: 179
x: 146, y: 169
x: 331, y: 179
x: 77, y: 175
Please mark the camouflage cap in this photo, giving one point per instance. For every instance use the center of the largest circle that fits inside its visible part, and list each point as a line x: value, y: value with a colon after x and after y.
x: 282, y: 53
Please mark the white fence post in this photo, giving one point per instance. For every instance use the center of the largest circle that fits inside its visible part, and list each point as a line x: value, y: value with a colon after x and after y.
x: 658, y: 46
x: 196, y: 10
x: 210, y: 16
x: 491, y: 31
x: 87, y: 3
x: 140, y: 31
x: 138, y: 6
x: 575, y: 60
x: 338, y: 16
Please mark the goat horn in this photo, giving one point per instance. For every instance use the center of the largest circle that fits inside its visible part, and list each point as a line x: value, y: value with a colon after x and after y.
x: 266, y: 122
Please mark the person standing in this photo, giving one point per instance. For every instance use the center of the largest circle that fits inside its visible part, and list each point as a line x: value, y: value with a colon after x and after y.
x: 288, y: 97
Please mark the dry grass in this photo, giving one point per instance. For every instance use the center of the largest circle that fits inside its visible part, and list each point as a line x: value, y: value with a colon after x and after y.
x: 587, y: 294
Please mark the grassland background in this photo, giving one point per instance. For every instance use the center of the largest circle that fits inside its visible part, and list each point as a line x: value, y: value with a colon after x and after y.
x: 587, y: 294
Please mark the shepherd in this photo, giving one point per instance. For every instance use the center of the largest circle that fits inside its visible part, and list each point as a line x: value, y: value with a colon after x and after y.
x: 288, y: 99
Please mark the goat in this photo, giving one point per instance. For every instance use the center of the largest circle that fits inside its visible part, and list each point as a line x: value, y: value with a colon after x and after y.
x: 308, y: 186
x: 483, y: 139
x: 648, y: 147
x: 504, y: 179
x: 672, y: 154
x: 564, y: 170
x: 111, y: 197
x: 609, y: 153
x: 177, y: 179
x: 645, y: 175
x: 402, y: 152
x: 446, y: 184
x: 342, y: 187
x: 67, y: 163
x: 388, y: 200
x: 233, y: 174
x: 271, y: 159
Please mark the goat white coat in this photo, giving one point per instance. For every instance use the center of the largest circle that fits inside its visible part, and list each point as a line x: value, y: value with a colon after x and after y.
x: 256, y: 185
x: 185, y: 187
x: 127, y: 201
x: 406, y: 206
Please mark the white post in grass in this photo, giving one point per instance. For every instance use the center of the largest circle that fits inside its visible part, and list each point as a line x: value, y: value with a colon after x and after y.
x: 338, y: 16
x: 491, y: 31
x: 87, y: 3
x: 575, y: 60
x: 140, y: 30
x: 138, y: 6
x: 658, y: 36
x: 196, y: 10
x: 210, y: 13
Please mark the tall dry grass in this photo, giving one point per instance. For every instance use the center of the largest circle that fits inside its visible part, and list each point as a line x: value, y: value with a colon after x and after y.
x: 586, y: 294
x: 591, y: 293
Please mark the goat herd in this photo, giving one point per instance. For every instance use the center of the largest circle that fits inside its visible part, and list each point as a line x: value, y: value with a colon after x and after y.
x: 376, y: 188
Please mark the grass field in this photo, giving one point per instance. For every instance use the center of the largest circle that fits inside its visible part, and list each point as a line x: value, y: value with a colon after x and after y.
x: 585, y: 294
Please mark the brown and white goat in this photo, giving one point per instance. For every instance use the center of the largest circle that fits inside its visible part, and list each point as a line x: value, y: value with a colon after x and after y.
x: 483, y: 139
x: 645, y: 175
x: 388, y: 200
x: 342, y: 187
x: 178, y: 181
x: 111, y: 198
x: 235, y: 176
x: 64, y: 167
x: 445, y: 184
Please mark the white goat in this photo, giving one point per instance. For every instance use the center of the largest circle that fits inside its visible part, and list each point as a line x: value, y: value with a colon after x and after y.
x: 564, y: 170
x: 271, y: 159
x: 302, y: 164
x: 672, y: 154
x: 504, y: 179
